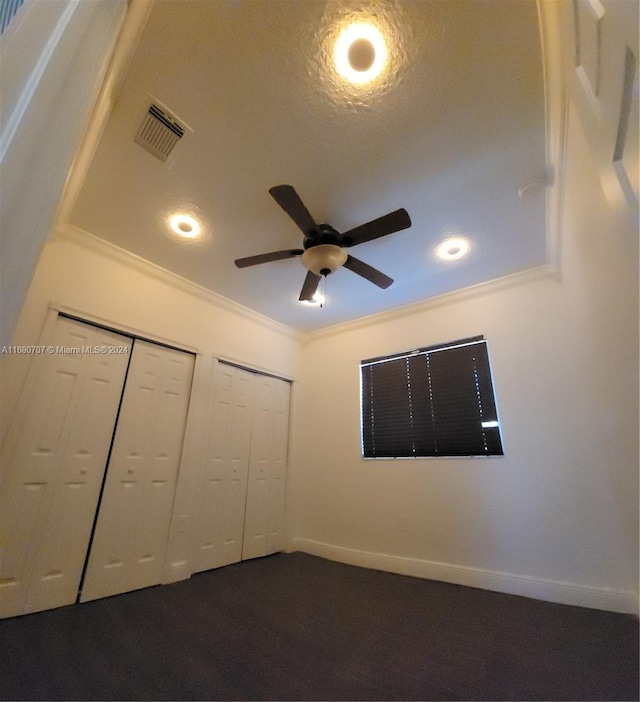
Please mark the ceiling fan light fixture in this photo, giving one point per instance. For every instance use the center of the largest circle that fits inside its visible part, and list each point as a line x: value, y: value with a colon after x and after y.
x: 360, y: 53
x: 324, y: 259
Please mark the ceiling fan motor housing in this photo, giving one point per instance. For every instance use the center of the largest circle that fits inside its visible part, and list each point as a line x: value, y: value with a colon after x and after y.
x: 324, y: 234
x: 324, y: 259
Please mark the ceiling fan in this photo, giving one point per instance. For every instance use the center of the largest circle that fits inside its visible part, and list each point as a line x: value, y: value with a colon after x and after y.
x: 323, y: 250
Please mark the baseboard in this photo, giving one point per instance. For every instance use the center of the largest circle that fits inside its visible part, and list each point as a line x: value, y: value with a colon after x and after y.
x: 625, y: 601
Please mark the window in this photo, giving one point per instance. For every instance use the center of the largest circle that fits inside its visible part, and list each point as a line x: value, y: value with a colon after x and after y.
x: 435, y: 401
x: 8, y: 9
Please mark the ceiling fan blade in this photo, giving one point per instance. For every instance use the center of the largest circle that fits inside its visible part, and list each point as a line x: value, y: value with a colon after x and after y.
x: 309, y: 286
x: 268, y: 257
x: 388, y: 224
x: 372, y: 274
x: 291, y: 203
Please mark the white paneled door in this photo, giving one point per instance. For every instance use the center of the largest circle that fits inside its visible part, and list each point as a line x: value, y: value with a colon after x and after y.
x: 242, y: 497
x: 265, y: 510
x: 54, y: 463
x: 132, y: 528
x: 220, y: 526
x: 278, y: 477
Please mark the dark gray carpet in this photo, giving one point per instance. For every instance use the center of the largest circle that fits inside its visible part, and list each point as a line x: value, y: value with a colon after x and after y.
x: 296, y: 627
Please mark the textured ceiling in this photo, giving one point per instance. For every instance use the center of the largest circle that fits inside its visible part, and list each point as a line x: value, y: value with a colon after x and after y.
x: 450, y: 132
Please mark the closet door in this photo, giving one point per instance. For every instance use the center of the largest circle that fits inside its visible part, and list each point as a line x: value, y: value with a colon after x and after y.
x: 53, y: 469
x: 265, y: 510
x: 220, y: 524
x: 132, y: 528
x: 278, y: 478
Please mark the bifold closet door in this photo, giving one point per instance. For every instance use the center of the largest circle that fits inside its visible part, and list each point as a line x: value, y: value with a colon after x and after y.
x: 131, y: 533
x: 220, y: 525
x: 265, y: 511
x: 242, y: 495
x: 53, y: 466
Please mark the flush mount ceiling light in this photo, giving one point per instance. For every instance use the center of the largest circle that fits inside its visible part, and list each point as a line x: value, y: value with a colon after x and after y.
x: 453, y: 249
x: 360, y: 53
x: 184, y: 225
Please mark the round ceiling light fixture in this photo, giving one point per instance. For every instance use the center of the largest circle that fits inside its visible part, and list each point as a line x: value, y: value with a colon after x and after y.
x: 184, y: 225
x: 324, y: 259
x: 360, y: 53
x: 453, y: 249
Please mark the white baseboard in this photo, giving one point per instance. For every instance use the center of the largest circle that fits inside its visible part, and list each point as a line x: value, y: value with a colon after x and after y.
x: 539, y: 588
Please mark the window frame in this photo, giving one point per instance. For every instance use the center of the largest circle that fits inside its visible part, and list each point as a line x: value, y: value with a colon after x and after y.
x: 435, y: 348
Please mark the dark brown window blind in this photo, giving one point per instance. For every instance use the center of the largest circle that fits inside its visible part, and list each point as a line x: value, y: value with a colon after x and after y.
x: 433, y: 401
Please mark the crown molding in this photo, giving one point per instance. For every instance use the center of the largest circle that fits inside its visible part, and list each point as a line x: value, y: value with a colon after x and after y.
x: 74, y: 235
x: 531, y: 275
x: 69, y: 233
x: 79, y: 237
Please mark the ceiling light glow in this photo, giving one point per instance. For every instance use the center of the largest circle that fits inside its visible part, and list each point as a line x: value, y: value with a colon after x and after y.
x: 453, y: 249
x: 318, y: 300
x: 184, y: 225
x: 360, y: 53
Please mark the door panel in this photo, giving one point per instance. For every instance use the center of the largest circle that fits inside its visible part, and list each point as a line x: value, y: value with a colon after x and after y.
x: 265, y: 493
x: 257, y: 509
x: 52, y: 477
x: 212, y: 488
x: 277, y: 491
x: 237, y: 471
x: 242, y: 508
x: 132, y: 528
x: 221, y: 514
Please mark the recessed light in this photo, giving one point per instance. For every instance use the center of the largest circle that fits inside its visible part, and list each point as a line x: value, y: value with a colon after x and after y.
x: 360, y: 53
x: 318, y: 301
x: 453, y: 249
x: 184, y: 225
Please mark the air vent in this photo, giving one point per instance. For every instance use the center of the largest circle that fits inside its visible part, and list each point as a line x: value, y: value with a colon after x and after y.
x: 159, y: 132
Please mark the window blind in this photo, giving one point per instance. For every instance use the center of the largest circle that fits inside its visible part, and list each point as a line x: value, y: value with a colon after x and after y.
x: 8, y: 9
x: 434, y: 401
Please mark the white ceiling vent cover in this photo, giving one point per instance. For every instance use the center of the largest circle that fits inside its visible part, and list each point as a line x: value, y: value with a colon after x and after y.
x: 159, y: 132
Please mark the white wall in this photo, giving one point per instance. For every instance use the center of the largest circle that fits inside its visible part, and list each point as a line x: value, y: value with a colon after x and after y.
x: 557, y: 516
x: 54, y: 55
x: 105, y: 285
